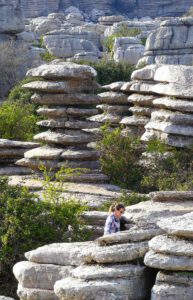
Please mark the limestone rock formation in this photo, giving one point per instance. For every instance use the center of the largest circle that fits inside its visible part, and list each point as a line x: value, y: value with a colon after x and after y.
x: 171, y: 43
x: 131, y: 8
x: 163, y: 103
x: 128, y: 49
x: 10, y: 152
x: 173, y: 252
x: 83, y: 271
x: 10, y: 16
x: 67, y: 107
x: 113, y: 105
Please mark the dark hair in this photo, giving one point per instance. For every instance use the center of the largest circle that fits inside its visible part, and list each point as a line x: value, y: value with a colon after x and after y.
x: 116, y: 206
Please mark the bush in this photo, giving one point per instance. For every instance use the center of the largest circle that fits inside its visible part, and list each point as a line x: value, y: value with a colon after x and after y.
x: 47, y: 56
x: 123, y: 31
x: 119, y: 158
x: 166, y: 169
x: 169, y: 168
x: 27, y: 223
x: 18, y: 121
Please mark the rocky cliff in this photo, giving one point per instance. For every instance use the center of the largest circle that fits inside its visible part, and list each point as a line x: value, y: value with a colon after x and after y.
x: 133, y: 8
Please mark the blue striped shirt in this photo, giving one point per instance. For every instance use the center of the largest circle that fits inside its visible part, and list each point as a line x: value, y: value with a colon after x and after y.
x: 112, y: 225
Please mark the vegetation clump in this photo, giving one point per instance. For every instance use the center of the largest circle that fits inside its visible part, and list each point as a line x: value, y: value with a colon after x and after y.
x: 123, y: 31
x: 164, y: 168
x: 26, y: 222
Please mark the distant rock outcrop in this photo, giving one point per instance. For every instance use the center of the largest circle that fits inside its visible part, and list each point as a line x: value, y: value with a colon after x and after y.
x: 171, y: 43
x: 163, y: 102
x: 132, y: 8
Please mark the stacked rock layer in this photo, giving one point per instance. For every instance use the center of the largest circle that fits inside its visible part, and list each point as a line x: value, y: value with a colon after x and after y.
x: 10, y: 152
x: 89, y: 270
x: 67, y: 98
x: 114, y: 105
x: 163, y: 103
x: 173, y: 254
x: 171, y: 43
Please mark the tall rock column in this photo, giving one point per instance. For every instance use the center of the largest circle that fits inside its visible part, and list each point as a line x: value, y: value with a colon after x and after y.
x: 66, y: 94
x: 172, y: 253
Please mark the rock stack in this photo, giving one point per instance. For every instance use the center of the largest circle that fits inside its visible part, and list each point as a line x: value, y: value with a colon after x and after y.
x: 114, y: 104
x: 66, y: 101
x: 163, y: 104
x: 89, y: 270
x: 128, y: 49
x: 10, y: 152
x: 171, y: 43
x: 173, y: 254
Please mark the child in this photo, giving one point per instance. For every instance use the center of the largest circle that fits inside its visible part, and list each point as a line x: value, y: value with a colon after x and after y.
x: 112, y: 224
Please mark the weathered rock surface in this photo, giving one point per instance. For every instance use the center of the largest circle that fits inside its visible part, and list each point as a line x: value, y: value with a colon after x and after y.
x: 171, y: 43
x: 37, y: 276
x: 11, y: 17
x: 173, y: 285
x: 181, y: 226
x: 171, y: 196
x: 128, y: 49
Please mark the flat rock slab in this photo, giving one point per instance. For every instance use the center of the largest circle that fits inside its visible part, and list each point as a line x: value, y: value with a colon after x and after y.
x: 176, y: 278
x: 66, y: 99
x: 171, y: 245
x: 65, y: 137
x: 120, y: 289
x: 177, y: 104
x: 103, y: 118
x: 168, y: 262
x: 80, y: 154
x: 179, y: 226
x: 142, y: 111
x: 151, y: 212
x: 63, y: 70
x: 81, y: 112
x: 135, y: 120
x: 56, y: 112
x: 61, y: 86
x: 166, y: 291
x: 142, y: 100
x: 10, y: 171
x: 146, y: 73
x: 63, y: 254
x: 172, y: 196
x: 35, y: 294
x: 44, y: 153
x: 94, y: 272
x: 113, y: 98
x: 4, y: 143
x: 132, y: 235
x: 12, y: 152
x: 39, y: 276
x: 116, y: 253
x: 115, y: 86
x: 170, y: 128
x: 114, y: 109
x: 179, y: 141
x: 79, y: 124
x: 90, y: 188
x: 173, y: 117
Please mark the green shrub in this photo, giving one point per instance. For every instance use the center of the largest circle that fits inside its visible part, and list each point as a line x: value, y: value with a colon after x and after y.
x: 27, y: 223
x: 119, y: 158
x: 18, y: 121
x: 123, y: 31
x: 167, y: 168
x: 47, y: 56
x: 172, y: 170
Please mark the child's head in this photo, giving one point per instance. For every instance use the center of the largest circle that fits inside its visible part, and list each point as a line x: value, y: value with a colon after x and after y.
x: 118, y: 209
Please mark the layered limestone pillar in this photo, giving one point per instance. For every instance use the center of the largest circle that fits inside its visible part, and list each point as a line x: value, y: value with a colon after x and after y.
x: 172, y: 253
x: 88, y: 270
x: 10, y: 152
x: 163, y: 104
x: 114, y: 105
x: 66, y: 96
